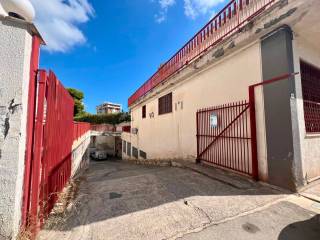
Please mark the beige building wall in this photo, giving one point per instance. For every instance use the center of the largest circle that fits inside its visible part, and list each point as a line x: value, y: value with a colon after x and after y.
x: 209, y: 82
x: 173, y: 135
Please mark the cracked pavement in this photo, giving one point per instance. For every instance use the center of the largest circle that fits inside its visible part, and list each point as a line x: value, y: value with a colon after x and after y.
x: 120, y: 200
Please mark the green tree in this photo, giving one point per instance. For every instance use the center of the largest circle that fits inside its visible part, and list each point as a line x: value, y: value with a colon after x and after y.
x: 78, y: 97
x: 112, y: 118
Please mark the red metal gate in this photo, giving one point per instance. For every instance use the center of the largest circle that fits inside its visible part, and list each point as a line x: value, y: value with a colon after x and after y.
x: 51, y: 148
x: 227, y: 134
x: 224, y: 137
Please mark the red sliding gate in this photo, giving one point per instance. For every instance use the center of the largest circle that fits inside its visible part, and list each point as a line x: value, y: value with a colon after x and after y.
x: 53, y: 133
x: 224, y: 137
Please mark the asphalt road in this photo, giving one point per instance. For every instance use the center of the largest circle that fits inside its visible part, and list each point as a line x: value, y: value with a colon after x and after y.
x: 119, y: 200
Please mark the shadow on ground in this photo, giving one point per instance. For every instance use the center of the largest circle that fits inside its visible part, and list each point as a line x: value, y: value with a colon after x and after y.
x: 309, y: 230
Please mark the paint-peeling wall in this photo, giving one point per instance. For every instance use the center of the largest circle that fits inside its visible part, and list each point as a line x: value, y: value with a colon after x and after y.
x: 15, y: 53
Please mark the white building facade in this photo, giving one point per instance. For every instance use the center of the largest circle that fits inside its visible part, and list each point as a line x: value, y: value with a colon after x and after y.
x: 280, y: 39
x: 108, y: 107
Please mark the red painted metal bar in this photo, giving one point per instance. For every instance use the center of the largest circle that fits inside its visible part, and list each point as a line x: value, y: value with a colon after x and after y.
x: 253, y: 128
x: 30, y: 127
x: 80, y: 129
x: 198, y: 136
x: 225, y: 129
x: 37, y: 155
x: 222, y: 145
x: 253, y: 125
x: 276, y: 79
x: 227, y: 22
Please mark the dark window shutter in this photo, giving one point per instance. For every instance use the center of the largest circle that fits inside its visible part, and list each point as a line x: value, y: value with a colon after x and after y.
x: 165, y: 104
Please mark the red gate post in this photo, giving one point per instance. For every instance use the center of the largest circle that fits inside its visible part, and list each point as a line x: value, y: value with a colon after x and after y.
x: 253, y: 119
x: 36, y: 163
x: 198, y: 150
x: 253, y: 129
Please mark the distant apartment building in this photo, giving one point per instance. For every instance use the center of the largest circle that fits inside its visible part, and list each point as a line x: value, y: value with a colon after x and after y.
x: 109, y: 107
x: 243, y: 94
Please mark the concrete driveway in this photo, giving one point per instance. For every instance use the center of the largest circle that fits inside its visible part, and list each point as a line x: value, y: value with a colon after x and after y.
x: 119, y: 200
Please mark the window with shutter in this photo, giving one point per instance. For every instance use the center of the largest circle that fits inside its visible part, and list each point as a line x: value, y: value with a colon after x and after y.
x: 165, y: 104
x: 144, y: 111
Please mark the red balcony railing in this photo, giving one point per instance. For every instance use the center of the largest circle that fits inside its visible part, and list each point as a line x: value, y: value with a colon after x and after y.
x: 80, y: 129
x: 228, y: 21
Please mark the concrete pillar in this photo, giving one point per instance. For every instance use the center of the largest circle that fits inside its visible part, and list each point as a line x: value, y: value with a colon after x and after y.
x: 15, y: 57
x: 277, y: 60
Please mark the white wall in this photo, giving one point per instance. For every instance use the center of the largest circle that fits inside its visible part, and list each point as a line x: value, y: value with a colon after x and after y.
x: 307, y: 145
x: 15, y: 53
x: 80, y: 154
x: 173, y: 135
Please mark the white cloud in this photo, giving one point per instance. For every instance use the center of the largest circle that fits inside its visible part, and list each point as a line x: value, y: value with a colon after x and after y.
x: 193, y: 8
x: 58, y: 22
x: 164, y: 6
x: 166, y: 3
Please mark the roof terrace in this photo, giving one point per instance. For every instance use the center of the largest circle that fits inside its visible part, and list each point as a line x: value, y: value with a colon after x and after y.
x: 235, y: 15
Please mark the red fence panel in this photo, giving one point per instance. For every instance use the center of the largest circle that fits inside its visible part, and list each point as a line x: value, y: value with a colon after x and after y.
x: 228, y: 21
x: 80, y: 129
x: 103, y: 128
x: 224, y: 136
x: 58, y: 140
x: 53, y: 137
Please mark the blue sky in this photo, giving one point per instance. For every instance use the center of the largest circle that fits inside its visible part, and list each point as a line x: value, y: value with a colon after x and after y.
x: 109, y: 48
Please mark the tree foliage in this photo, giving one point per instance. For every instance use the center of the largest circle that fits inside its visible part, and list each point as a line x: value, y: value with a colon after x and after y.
x: 81, y: 116
x: 111, y: 118
x: 78, y: 97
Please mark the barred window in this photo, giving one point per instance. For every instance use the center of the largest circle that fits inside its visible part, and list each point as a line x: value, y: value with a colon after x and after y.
x: 144, y: 111
x: 310, y: 78
x: 165, y: 104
